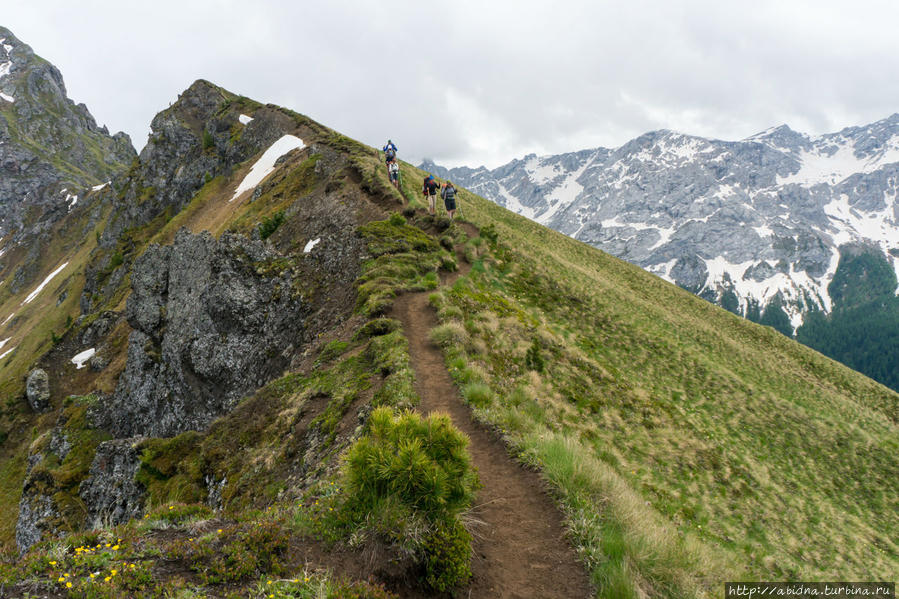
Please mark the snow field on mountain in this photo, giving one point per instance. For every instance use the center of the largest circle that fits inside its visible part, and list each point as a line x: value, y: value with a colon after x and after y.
x: 266, y: 163
x: 793, y: 285
x: 244, y: 119
x: 40, y: 287
x: 820, y: 166
x: 5, y: 68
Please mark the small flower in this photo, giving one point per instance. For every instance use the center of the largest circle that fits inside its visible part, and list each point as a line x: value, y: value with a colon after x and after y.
x: 220, y: 531
x: 61, y: 579
x: 52, y: 563
x: 68, y: 585
x: 114, y: 572
x: 115, y: 547
x: 108, y: 578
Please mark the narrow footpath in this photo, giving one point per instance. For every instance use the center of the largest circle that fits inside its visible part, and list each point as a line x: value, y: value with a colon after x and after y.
x: 519, y: 548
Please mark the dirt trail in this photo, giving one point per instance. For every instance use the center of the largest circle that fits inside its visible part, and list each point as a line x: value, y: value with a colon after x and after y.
x: 520, y: 550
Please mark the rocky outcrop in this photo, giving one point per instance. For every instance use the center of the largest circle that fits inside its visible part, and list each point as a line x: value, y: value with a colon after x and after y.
x: 191, y: 142
x: 213, y: 320
x: 111, y: 493
x: 37, y: 390
x: 50, y: 148
x: 37, y: 512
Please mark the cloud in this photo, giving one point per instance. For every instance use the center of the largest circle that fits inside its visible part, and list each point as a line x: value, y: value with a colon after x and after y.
x: 483, y: 82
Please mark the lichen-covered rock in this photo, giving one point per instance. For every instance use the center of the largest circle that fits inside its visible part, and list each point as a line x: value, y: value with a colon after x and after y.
x: 37, y: 390
x: 110, y: 492
x: 36, y: 514
x: 213, y: 321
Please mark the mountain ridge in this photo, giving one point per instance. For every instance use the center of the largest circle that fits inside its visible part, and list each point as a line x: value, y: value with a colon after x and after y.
x: 249, y: 419
x: 756, y: 225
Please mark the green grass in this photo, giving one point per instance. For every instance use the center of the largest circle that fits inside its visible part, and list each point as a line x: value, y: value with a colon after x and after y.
x: 687, y: 446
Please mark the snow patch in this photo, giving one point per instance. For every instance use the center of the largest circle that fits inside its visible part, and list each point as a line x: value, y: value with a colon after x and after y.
x: 99, y: 187
x: 565, y: 193
x: 79, y: 360
x: 817, y: 167
x: 513, y: 204
x: 4, y: 342
x: 244, y: 119
x: 7, y: 97
x: 266, y: 163
x: 540, y: 173
x: 71, y: 200
x: 311, y: 245
x: 7, y: 352
x: 8, y: 318
x: 40, y: 287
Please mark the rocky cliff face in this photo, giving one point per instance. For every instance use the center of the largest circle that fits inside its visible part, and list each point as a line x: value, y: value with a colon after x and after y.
x: 761, y: 220
x: 51, y: 150
x: 213, y: 320
x: 208, y: 319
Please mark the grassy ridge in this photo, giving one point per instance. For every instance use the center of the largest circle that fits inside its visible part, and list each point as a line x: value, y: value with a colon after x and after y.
x: 687, y: 445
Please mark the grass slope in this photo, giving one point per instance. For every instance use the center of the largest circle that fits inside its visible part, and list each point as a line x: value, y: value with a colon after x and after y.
x: 687, y: 445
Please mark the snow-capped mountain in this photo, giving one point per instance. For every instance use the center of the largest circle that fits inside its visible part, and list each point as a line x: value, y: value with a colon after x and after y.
x: 763, y: 218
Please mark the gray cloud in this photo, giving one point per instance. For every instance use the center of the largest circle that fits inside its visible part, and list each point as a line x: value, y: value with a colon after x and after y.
x: 482, y: 82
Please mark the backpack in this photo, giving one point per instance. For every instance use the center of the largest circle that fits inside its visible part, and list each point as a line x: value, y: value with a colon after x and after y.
x: 390, y: 153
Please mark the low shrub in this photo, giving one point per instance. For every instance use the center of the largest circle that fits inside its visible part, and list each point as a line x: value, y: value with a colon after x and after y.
x: 270, y: 224
x: 407, y: 480
x: 477, y: 394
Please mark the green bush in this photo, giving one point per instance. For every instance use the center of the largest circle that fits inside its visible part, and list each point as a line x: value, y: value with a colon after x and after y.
x: 208, y: 140
x: 408, y: 480
x: 447, y: 556
x: 423, y: 462
x: 270, y: 224
x: 397, y: 219
x: 533, y: 360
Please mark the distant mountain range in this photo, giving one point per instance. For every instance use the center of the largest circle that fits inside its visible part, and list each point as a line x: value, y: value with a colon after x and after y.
x: 760, y: 226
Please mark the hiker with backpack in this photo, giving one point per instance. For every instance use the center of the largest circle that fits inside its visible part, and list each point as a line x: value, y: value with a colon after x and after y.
x: 393, y: 169
x: 449, y: 198
x: 389, y: 153
x: 429, y: 188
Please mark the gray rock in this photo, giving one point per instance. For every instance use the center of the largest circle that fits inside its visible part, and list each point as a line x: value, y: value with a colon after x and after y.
x: 211, y: 320
x: 110, y: 492
x: 48, y: 144
x: 36, y: 514
x: 37, y: 390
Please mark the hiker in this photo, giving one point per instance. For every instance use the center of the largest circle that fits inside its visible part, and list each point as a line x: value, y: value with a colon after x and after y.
x: 393, y: 169
x: 389, y: 153
x: 429, y: 188
x: 449, y: 198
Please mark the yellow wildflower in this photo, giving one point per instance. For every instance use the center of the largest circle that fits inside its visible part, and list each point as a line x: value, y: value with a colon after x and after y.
x: 68, y: 585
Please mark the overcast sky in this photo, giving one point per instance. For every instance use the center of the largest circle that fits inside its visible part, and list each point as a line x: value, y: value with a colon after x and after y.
x: 481, y: 81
